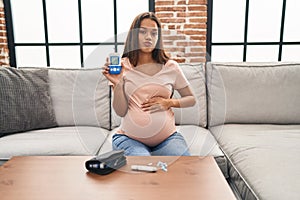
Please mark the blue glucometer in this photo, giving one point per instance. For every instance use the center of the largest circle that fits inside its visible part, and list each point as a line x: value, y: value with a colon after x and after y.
x: 115, y: 66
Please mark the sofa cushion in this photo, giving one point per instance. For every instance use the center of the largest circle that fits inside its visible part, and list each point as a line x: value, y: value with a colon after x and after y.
x: 25, y: 103
x: 253, y: 93
x: 264, y: 159
x: 80, y: 97
x: 195, y: 115
x: 200, y: 141
x: 80, y: 140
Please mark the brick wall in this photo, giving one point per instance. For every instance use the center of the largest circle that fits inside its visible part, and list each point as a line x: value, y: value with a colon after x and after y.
x: 4, y: 57
x: 184, y: 24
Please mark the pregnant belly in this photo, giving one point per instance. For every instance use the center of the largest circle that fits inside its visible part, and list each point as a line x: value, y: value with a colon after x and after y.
x: 139, y: 124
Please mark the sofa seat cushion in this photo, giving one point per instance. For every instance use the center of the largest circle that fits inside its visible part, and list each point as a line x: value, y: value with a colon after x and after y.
x: 200, y: 141
x: 81, y: 140
x: 264, y: 159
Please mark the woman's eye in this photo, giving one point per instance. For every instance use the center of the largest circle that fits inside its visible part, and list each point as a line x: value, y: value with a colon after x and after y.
x: 154, y: 33
x: 142, y: 32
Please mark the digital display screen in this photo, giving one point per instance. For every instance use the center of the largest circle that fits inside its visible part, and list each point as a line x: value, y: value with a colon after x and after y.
x: 114, y: 60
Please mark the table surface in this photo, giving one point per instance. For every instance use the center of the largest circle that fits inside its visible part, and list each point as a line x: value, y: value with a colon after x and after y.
x: 65, y: 177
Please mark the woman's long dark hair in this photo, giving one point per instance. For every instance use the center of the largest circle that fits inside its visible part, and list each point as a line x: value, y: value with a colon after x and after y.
x: 131, y: 50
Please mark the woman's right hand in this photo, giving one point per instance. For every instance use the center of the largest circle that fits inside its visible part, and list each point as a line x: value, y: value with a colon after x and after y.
x: 113, y: 78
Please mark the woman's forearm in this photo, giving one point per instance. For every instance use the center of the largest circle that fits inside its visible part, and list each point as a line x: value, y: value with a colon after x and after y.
x: 120, y: 103
x: 183, y: 102
x: 187, y: 98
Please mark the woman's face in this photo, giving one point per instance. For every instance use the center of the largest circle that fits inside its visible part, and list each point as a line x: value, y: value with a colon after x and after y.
x: 148, y: 35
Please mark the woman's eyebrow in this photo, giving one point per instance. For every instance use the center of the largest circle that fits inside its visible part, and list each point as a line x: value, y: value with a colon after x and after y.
x: 152, y: 29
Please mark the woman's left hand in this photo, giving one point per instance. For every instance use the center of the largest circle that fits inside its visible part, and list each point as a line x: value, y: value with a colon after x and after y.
x: 156, y: 104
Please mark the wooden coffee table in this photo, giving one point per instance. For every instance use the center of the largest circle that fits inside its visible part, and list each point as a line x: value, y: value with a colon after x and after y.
x: 65, y: 177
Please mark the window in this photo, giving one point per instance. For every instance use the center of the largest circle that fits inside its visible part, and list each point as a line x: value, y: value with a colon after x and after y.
x: 253, y: 30
x: 68, y: 33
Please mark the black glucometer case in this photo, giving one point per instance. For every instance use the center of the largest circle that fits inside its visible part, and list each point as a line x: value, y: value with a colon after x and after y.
x: 106, y: 163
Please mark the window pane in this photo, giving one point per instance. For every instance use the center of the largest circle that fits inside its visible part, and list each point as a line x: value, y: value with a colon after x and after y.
x: 290, y: 53
x: 122, y: 36
x: 62, y: 17
x: 264, y: 20
x: 95, y: 56
x: 28, y: 24
x: 227, y: 53
x: 228, y: 26
x: 292, y: 24
x: 97, y: 16
x: 31, y: 56
x: 121, y: 49
x: 262, y: 53
x: 127, y: 10
x: 65, y: 56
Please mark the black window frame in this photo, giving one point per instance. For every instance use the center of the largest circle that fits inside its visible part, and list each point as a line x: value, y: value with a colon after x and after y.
x: 12, y: 45
x: 245, y: 43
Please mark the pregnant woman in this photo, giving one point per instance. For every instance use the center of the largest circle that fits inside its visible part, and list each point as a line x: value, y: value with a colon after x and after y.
x: 142, y: 93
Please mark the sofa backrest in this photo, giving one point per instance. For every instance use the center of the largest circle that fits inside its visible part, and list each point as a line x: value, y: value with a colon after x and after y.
x: 80, y: 97
x: 253, y: 93
x: 196, y: 115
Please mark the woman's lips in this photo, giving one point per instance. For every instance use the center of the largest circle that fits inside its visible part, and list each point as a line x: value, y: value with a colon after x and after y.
x: 148, y: 44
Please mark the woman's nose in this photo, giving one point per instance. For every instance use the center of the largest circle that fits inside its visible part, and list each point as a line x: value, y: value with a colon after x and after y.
x: 148, y: 35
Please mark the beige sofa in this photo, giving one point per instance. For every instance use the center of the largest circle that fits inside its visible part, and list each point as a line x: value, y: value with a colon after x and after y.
x: 84, y: 120
x: 247, y: 116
